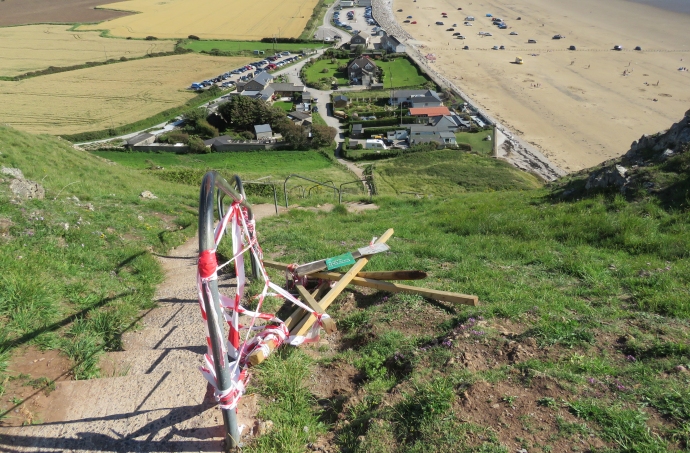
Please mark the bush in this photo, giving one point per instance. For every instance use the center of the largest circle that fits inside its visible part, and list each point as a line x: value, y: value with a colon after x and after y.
x: 151, y: 38
x: 173, y: 137
x: 194, y: 37
x: 246, y: 135
x: 196, y: 146
x: 325, y: 70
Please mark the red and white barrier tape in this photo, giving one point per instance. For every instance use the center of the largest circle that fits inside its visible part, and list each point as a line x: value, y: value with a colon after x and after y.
x: 234, y: 352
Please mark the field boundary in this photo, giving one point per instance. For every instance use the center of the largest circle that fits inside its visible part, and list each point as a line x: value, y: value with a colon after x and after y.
x: 160, y: 117
x: 91, y: 64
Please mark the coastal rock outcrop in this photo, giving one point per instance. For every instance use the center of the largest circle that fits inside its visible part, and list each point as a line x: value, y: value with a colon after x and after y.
x: 655, y: 163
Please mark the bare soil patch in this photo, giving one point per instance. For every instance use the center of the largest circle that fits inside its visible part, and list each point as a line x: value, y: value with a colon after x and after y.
x: 514, y: 413
x: 32, y: 374
x: 20, y: 12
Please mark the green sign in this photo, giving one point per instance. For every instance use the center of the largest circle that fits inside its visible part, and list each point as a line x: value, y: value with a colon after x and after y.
x: 339, y: 261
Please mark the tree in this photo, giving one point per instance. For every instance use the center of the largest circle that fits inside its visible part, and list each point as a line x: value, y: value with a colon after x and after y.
x: 295, y: 135
x: 322, y: 136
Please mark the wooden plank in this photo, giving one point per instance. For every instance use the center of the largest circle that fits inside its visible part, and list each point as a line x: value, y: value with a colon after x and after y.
x: 320, y: 265
x: 444, y: 296
x: 393, y: 275
x: 383, y: 275
x: 342, y: 283
x: 327, y: 323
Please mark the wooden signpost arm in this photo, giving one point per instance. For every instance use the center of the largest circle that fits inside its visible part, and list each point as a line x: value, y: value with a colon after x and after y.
x: 342, y: 283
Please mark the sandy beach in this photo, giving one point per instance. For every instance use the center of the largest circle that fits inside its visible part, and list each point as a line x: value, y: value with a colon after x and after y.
x: 578, y: 107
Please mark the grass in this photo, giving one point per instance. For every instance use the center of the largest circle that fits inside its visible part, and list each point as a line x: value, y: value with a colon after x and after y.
x: 445, y: 172
x: 270, y: 166
x: 567, y: 274
x: 400, y: 72
x: 73, y: 278
x: 287, y: 106
x: 240, y: 46
x: 313, y: 73
x: 476, y: 140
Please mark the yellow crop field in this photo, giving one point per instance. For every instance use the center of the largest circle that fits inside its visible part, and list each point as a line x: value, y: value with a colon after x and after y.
x: 106, y: 96
x: 35, y: 47
x: 209, y: 19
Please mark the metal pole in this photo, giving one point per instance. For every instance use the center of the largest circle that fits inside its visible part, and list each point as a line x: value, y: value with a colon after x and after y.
x: 206, y: 242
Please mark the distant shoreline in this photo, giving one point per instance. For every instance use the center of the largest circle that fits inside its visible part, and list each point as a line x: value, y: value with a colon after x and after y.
x: 676, y: 6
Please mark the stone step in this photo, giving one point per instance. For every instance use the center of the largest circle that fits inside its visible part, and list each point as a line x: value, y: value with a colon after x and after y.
x: 189, y: 336
x: 165, y: 411
x: 171, y: 314
x: 146, y: 361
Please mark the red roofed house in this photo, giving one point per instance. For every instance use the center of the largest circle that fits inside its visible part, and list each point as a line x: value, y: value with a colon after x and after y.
x: 429, y: 111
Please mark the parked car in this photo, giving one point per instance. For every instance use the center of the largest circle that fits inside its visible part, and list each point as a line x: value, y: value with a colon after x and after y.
x: 466, y: 48
x: 439, y: 23
x: 502, y: 48
x: 495, y: 48
x: 638, y: 48
x: 572, y: 48
x: 617, y: 47
x: 558, y: 37
x: 450, y: 29
x: 531, y: 41
x: 513, y: 33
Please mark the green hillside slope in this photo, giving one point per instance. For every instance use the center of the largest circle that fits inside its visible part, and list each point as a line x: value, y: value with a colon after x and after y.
x: 76, y: 271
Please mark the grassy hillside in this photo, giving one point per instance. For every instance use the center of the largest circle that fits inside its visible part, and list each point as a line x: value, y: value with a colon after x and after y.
x: 76, y: 271
x: 581, y: 337
x: 265, y: 166
x: 448, y: 171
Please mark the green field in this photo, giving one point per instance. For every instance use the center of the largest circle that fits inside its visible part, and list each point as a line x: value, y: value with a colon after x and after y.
x: 448, y: 171
x: 270, y: 166
x: 476, y: 140
x: 401, y: 73
x: 239, y: 46
x: 313, y: 73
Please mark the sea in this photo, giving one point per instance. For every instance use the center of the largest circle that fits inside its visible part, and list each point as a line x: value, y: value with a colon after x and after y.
x: 678, y: 6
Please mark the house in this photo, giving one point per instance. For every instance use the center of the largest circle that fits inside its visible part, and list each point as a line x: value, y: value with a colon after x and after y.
x: 391, y: 44
x: 362, y: 70
x: 340, y: 101
x: 356, y: 131
x: 429, y: 111
x: 299, y: 117
x: 360, y: 39
x: 307, y: 96
x: 263, y: 131
x: 141, y: 139
x: 266, y: 94
x: 215, y: 141
x: 420, y: 133
x: 448, y: 122
x: 286, y: 89
x: 416, y: 98
x: 258, y: 83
